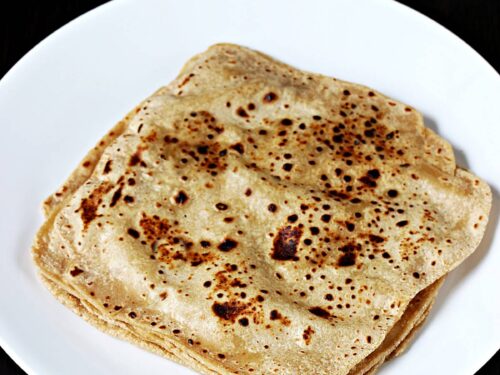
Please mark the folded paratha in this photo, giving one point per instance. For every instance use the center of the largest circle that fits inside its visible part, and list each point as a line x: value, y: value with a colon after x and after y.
x: 253, y: 218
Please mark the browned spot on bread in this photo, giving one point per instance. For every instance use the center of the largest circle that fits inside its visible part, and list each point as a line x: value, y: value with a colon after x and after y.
x: 133, y: 233
x: 285, y: 243
x: 116, y: 197
x: 89, y: 206
x: 270, y: 97
x: 307, y: 335
x: 228, y: 310
x: 181, y: 198
x: 227, y: 245
x: 75, y: 271
x: 107, y: 167
x: 319, y: 311
x: 346, y: 260
x: 238, y: 147
x: 154, y: 227
x: 276, y: 315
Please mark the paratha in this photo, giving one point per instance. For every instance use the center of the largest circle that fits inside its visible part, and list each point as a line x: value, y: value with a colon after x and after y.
x: 250, y: 217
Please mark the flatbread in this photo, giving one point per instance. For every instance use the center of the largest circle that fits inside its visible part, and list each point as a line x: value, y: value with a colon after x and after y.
x: 253, y: 218
x: 401, y: 333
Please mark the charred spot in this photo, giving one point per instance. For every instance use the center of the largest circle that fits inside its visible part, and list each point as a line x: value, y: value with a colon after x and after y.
x: 207, y: 284
x: 350, y: 226
x: 237, y: 283
x: 347, y: 259
x: 369, y: 133
x: 392, y: 193
x: 241, y: 112
x: 373, y: 173
x: 402, y: 223
x: 116, y: 197
x: 338, y: 138
x: 202, y: 150
x: 135, y: 159
x: 169, y: 139
x: 368, y: 181
x: 128, y: 199
x: 314, y: 230
x: 346, y: 92
x: 287, y: 167
x: 286, y: 122
x: 319, y: 311
x: 275, y: 315
x: 131, y: 182
x: 227, y: 245
x: 338, y: 194
x: 221, y: 206
x: 238, y: 147
x: 228, y: 310
x: 270, y: 97
x: 76, y: 271
x: 243, y: 322
x: 132, y: 315
x: 350, y: 247
x: 292, y: 218
x: 376, y: 239
x: 248, y: 192
x: 326, y: 218
x: 204, y: 243
x: 416, y: 275
x: 272, y: 207
x: 285, y: 243
x: 107, y: 167
x: 181, y: 198
x: 133, y: 233
x: 307, y: 334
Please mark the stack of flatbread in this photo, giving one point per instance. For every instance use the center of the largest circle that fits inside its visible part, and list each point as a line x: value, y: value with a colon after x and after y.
x: 253, y: 218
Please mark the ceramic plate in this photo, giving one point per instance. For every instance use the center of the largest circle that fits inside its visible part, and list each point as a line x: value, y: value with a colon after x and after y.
x: 71, y: 88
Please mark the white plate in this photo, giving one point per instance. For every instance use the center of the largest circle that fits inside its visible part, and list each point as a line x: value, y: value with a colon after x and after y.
x: 71, y: 88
